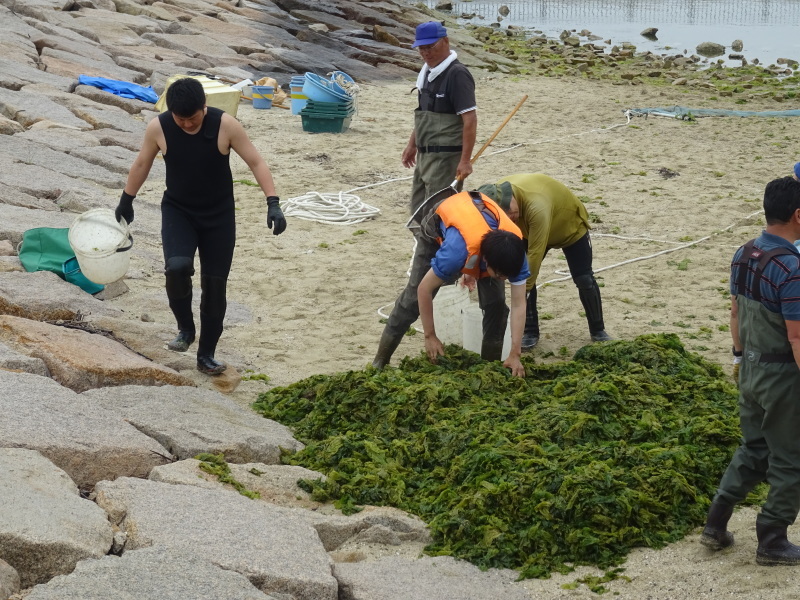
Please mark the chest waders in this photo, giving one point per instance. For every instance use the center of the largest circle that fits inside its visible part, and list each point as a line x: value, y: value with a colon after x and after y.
x: 769, y: 414
x: 439, y: 144
x: 439, y: 138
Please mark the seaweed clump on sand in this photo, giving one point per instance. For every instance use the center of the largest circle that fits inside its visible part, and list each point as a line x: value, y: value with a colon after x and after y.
x: 576, y: 464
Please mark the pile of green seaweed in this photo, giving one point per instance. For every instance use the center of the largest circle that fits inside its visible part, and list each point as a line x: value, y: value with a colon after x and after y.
x: 575, y: 464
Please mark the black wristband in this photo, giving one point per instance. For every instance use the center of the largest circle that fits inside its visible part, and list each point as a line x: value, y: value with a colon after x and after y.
x: 736, y: 352
x: 126, y: 197
x: 271, y: 198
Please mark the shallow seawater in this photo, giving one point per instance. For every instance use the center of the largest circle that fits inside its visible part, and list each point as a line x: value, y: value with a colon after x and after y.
x: 769, y: 29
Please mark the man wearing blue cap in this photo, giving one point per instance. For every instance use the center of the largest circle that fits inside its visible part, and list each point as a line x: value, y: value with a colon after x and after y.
x: 440, y: 149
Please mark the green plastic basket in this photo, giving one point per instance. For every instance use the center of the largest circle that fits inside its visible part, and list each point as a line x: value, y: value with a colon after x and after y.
x: 318, y: 123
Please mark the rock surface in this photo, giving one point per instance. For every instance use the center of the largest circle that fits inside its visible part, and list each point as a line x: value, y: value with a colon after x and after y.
x: 46, y: 528
x: 146, y: 574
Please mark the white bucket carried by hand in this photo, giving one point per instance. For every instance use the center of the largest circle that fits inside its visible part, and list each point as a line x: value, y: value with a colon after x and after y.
x: 101, y: 245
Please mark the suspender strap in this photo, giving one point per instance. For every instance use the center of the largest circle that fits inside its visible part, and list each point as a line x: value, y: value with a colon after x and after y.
x: 744, y: 264
x: 752, y: 252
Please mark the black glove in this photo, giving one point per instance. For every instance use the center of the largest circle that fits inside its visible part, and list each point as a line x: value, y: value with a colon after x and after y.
x: 275, y: 215
x: 125, y: 208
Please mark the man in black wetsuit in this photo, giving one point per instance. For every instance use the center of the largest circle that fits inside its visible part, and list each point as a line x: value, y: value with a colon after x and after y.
x: 197, y: 209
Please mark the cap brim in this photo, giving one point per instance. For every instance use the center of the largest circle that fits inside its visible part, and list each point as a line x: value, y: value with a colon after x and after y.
x: 425, y: 42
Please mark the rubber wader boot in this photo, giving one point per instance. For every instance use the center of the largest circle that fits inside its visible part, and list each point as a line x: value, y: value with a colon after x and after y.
x: 773, y: 546
x: 386, y: 348
x: 212, y: 312
x: 589, y: 293
x: 715, y: 535
x: 530, y: 335
x: 178, y: 273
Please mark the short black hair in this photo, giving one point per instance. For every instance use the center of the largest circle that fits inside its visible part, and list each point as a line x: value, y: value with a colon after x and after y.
x: 781, y: 200
x: 504, y: 252
x: 186, y: 96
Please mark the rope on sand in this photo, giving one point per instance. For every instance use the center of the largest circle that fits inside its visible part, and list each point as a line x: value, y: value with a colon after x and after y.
x: 339, y: 208
x: 682, y: 246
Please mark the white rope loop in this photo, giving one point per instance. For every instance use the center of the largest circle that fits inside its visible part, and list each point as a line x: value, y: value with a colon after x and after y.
x: 339, y: 208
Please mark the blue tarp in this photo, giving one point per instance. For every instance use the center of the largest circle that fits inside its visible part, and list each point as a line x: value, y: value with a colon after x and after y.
x: 125, y: 89
x: 682, y: 111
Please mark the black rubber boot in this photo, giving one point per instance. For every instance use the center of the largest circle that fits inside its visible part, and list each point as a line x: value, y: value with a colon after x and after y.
x: 212, y: 312
x: 589, y: 293
x: 774, y: 548
x: 182, y: 341
x: 386, y: 348
x: 178, y: 273
x: 530, y: 336
x: 209, y: 366
x: 715, y: 535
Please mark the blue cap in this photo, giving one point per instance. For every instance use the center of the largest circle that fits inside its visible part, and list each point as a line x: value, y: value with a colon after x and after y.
x: 797, y: 170
x: 429, y: 33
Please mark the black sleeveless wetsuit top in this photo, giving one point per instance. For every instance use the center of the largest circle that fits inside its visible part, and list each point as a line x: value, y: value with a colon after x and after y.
x: 199, y: 178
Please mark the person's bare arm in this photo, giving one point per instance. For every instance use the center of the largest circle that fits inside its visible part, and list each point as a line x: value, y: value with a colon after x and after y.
x: 429, y: 284
x: 409, y: 157
x: 737, y: 343
x: 518, y: 303
x: 143, y: 162
x: 470, y: 120
x: 241, y: 144
x: 793, y: 333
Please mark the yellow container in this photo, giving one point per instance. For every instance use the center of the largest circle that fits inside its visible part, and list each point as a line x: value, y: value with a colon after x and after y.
x: 218, y: 94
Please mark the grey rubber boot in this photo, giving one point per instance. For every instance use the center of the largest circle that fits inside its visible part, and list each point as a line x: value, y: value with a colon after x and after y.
x: 715, y: 535
x: 773, y: 546
x: 386, y: 348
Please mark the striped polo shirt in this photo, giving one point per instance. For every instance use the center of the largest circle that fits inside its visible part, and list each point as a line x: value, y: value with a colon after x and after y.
x: 780, y: 282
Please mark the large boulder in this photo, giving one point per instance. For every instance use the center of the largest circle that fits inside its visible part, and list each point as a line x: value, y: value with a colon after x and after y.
x: 45, y: 525
x: 82, y: 360
x: 83, y: 439
x: 278, y: 553
x: 147, y: 574
x: 439, y: 578
x: 44, y: 296
x: 188, y: 421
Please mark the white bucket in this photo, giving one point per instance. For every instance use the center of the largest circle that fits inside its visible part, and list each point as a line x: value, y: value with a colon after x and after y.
x: 473, y: 331
x: 101, y: 245
x: 447, y: 307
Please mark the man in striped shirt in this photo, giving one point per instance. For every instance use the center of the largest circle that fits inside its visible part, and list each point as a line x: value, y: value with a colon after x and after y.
x: 765, y: 327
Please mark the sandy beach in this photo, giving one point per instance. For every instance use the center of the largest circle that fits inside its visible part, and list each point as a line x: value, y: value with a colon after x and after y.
x: 308, y: 301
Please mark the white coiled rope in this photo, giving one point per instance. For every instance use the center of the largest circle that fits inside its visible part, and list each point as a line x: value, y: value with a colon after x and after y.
x: 339, y: 208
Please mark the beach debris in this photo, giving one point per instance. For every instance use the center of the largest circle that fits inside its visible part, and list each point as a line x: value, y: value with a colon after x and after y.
x: 667, y: 173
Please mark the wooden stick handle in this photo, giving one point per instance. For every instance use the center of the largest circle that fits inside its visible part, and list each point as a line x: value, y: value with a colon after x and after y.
x: 494, y: 135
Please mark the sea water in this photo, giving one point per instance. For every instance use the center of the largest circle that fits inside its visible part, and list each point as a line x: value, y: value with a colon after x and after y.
x: 769, y: 29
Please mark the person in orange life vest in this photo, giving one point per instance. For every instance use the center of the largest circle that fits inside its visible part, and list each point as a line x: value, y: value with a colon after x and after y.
x: 476, y: 238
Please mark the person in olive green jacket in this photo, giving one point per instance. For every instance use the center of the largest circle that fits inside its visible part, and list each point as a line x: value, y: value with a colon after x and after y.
x: 551, y: 216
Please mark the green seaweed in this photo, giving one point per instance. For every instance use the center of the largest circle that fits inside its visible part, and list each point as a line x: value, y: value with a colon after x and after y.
x: 576, y: 464
x: 215, y: 464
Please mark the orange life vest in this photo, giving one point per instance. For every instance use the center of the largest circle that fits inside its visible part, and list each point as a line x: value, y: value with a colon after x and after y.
x: 460, y: 211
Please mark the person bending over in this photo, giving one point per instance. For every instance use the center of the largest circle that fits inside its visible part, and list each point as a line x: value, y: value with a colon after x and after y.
x: 471, y: 236
x: 551, y: 216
